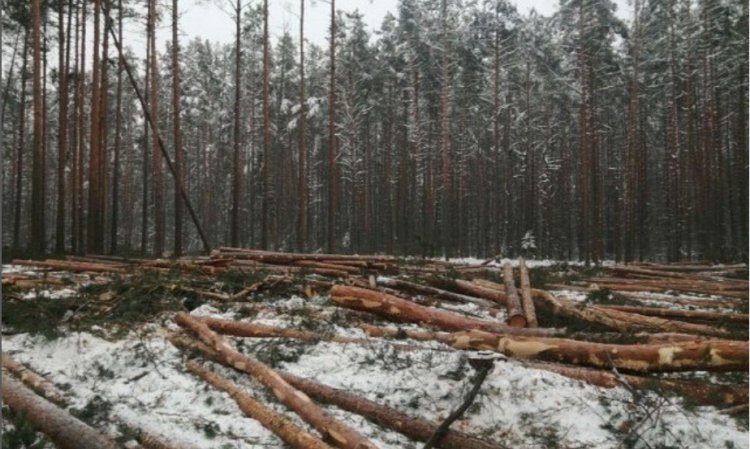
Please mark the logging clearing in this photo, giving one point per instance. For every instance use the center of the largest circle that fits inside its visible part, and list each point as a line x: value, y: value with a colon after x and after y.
x: 320, y: 351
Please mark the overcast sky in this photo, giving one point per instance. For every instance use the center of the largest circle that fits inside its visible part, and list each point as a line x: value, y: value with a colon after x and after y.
x: 206, y: 19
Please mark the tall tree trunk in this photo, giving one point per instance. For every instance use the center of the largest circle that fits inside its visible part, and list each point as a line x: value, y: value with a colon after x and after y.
x: 93, y: 240
x: 445, y: 177
x: 332, y: 147
x: 157, y: 180
x: 268, y: 190
x: 81, y: 128
x: 302, y: 152
x: 146, y: 126
x: 236, y: 160
x: 62, y: 140
x: 179, y: 154
x: 36, y: 244
x: 17, y: 203
x: 118, y: 143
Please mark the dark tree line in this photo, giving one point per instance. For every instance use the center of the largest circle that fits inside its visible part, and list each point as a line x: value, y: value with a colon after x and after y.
x: 459, y: 128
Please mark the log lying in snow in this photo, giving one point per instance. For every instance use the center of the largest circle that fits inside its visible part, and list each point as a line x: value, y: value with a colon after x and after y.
x: 151, y: 441
x: 342, y: 435
x: 433, y: 291
x: 285, y: 429
x: 528, y: 304
x: 697, y: 315
x: 622, y: 321
x: 36, y: 382
x: 415, y: 428
x: 402, y: 310
x: 252, y: 330
x: 703, y: 392
x: 72, y: 266
x: 708, y: 355
x: 515, y: 311
x: 63, y: 429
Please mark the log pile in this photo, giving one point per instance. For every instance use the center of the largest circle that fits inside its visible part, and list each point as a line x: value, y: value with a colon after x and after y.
x: 627, y: 338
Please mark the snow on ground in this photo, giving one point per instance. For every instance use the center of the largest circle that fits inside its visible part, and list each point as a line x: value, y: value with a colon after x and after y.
x: 140, y: 381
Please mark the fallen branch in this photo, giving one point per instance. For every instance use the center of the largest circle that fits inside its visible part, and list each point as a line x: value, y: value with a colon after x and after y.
x: 478, y: 380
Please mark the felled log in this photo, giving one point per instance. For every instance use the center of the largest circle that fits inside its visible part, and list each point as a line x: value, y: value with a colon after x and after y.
x: 703, y: 392
x: 621, y: 321
x: 435, y: 292
x: 663, y: 286
x: 710, y: 355
x: 472, y: 289
x: 252, y: 330
x: 681, y: 314
x: 660, y: 297
x: 63, y: 429
x: 526, y: 301
x: 515, y: 311
x: 285, y: 429
x: 402, y: 310
x: 67, y: 265
x: 151, y: 441
x: 661, y: 274
x: 703, y: 355
x: 33, y: 380
x: 327, y: 266
x: 413, y: 427
x: 292, y: 257
x: 343, y: 435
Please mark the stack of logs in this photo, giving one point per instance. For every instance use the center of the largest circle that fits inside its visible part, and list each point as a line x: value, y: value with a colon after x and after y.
x: 636, y: 345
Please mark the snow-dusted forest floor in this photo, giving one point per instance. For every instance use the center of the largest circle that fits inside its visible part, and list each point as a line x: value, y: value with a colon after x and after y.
x: 124, y: 377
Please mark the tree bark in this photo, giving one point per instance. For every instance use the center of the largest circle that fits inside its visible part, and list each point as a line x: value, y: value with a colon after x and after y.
x: 402, y: 310
x: 703, y: 355
x: 342, y: 435
x: 178, y: 150
x: 285, y: 429
x: 515, y: 311
x: 37, y: 236
x: 415, y: 428
x: 66, y: 431
x: 36, y: 382
x: 527, y: 301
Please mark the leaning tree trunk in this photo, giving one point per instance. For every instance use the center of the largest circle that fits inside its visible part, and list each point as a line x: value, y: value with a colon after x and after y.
x: 66, y: 431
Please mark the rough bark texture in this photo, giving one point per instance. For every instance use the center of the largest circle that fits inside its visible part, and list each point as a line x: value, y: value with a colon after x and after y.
x: 414, y: 428
x: 36, y: 382
x: 403, y: 310
x: 516, y: 317
x: 704, y: 393
x: 292, y: 434
x: 526, y: 301
x: 711, y: 355
x: 343, y: 436
x: 66, y: 431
